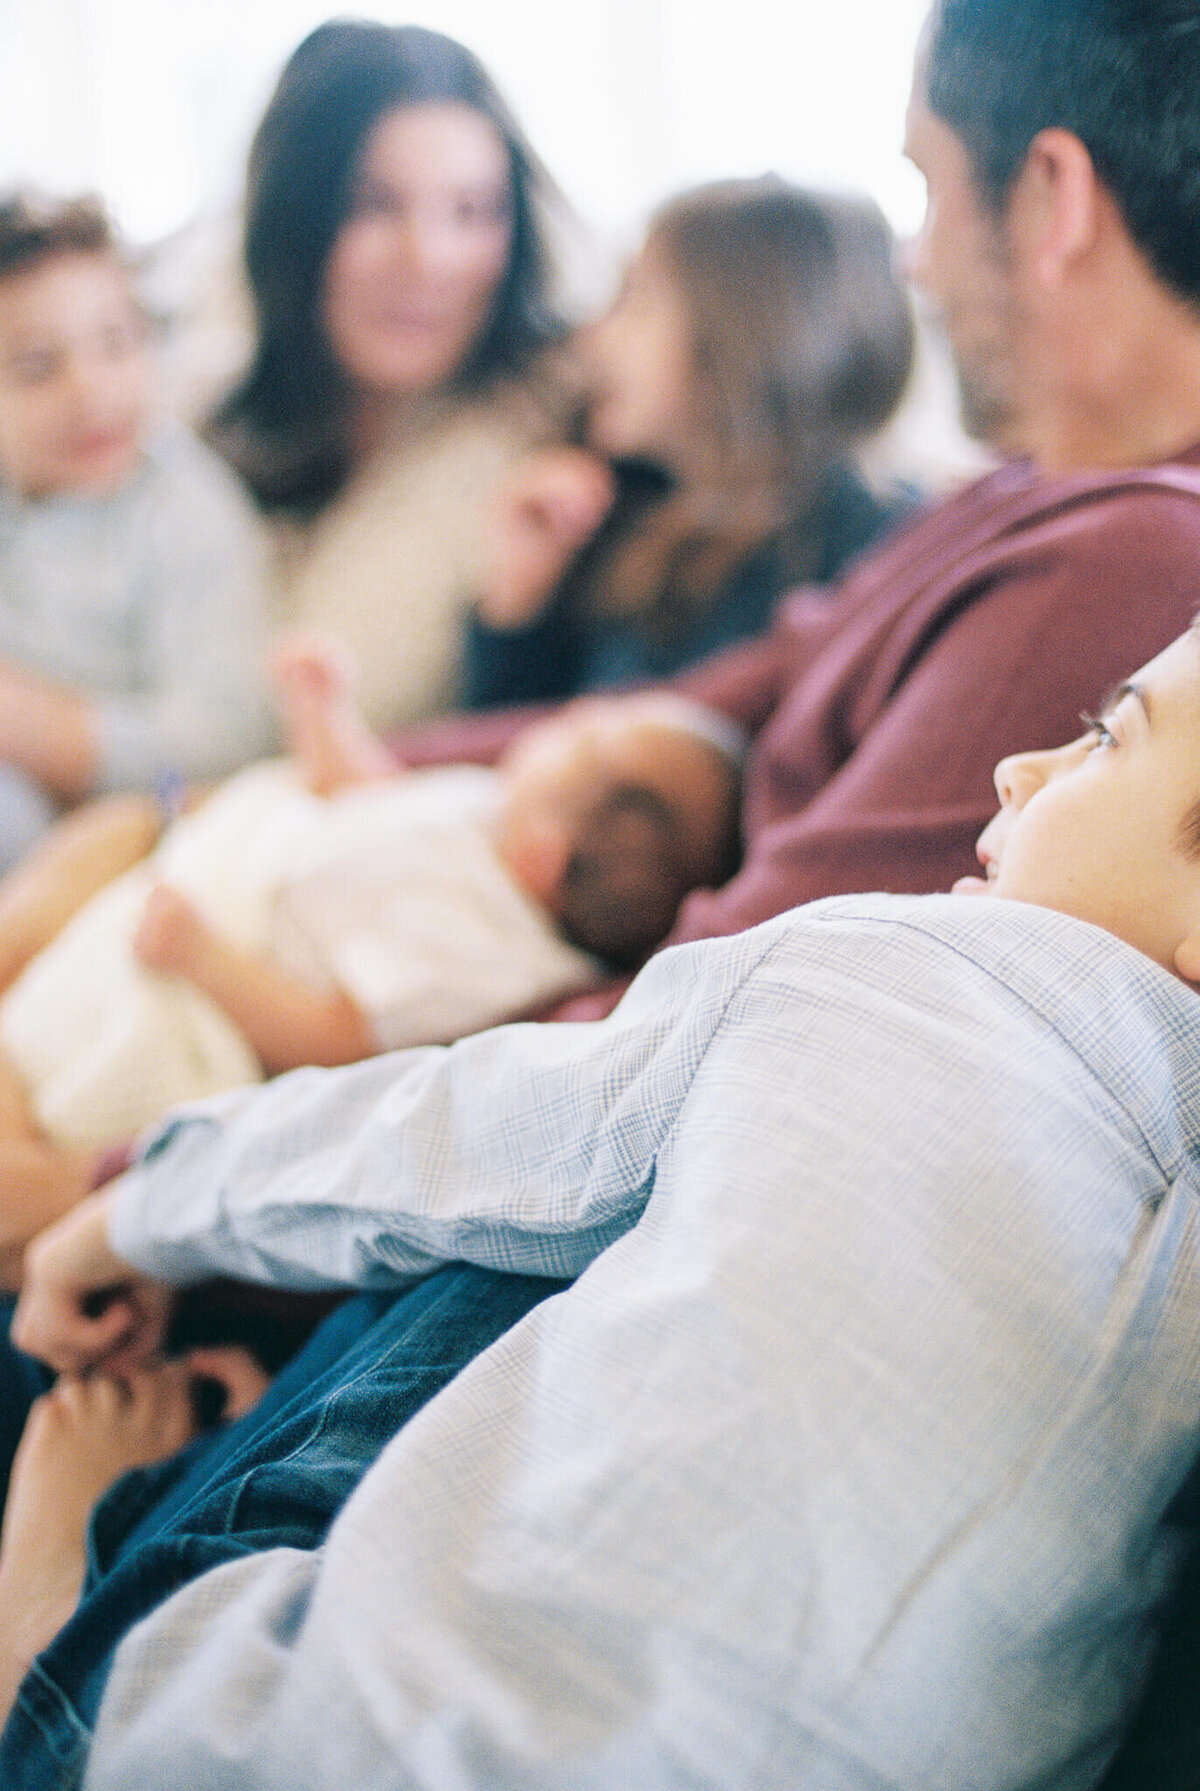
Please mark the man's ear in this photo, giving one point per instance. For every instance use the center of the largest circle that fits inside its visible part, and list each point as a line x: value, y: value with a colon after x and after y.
x: 1055, y: 208
x: 1187, y: 958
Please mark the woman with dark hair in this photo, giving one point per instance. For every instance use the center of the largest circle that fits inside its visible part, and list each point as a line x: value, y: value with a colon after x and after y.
x: 395, y: 253
x: 761, y: 336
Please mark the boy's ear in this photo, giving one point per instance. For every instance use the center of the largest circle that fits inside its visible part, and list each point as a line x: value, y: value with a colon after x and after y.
x: 1187, y: 959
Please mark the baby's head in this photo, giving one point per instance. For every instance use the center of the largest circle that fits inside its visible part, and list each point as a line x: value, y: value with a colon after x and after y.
x: 613, y: 809
x: 76, y: 372
x: 1108, y: 828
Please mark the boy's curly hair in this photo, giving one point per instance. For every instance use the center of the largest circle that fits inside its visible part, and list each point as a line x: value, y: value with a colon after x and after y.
x: 34, y: 227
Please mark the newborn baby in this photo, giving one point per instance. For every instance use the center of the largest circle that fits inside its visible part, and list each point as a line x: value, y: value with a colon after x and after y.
x: 281, y: 924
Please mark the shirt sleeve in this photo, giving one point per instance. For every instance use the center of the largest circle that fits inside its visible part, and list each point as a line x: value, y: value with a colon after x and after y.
x: 527, y: 1148
x: 201, y: 708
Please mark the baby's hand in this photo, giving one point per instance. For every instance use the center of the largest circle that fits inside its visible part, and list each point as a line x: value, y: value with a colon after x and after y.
x: 548, y: 509
x: 171, y: 934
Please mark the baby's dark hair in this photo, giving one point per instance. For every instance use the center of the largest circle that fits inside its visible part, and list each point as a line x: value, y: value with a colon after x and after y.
x: 35, y: 228
x: 623, y: 924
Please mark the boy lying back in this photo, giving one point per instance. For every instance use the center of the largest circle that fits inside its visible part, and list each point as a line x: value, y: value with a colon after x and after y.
x: 844, y: 1461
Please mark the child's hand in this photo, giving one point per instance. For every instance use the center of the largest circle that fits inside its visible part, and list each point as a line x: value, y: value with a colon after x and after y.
x: 81, y: 1305
x: 86, y: 1432
x: 170, y: 935
x: 548, y: 510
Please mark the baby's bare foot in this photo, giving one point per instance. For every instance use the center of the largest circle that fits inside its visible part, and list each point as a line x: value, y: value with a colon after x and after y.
x: 313, y: 667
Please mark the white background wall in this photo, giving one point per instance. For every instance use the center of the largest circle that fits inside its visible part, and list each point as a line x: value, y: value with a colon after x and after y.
x: 153, y: 101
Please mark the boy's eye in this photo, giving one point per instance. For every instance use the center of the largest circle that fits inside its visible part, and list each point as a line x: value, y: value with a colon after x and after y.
x: 33, y: 366
x: 119, y: 340
x: 1101, y: 735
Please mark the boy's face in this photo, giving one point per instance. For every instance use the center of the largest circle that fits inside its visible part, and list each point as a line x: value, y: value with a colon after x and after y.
x: 611, y: 813
x: 75, y: 377
x: 1096, y: 829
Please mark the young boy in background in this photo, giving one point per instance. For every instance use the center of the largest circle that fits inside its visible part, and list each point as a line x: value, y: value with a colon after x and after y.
x: 131, y: 572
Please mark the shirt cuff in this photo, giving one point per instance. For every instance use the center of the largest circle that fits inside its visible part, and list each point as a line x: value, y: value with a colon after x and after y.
x: 177, y: 1251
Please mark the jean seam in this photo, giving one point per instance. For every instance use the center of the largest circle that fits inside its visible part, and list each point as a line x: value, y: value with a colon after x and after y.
x: 51, y: 1732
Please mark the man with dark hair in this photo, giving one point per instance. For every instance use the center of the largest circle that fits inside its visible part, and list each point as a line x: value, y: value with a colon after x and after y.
x: 877, y: 716
x: 1117, y: 77
x: 844, y: 1466
x: 1061, y: 255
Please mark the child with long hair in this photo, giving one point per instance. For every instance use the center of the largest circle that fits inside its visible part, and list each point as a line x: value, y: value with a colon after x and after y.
x: 759, y: 338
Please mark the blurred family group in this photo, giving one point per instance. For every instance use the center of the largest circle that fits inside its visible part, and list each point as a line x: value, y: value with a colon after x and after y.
x: 770, y: 1360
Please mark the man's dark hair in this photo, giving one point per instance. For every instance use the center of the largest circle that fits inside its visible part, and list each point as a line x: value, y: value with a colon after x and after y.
x: 1122, y: 75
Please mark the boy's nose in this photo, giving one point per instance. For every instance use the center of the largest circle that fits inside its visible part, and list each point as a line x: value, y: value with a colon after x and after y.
x: 1020, y: 776
x: 91, y: 383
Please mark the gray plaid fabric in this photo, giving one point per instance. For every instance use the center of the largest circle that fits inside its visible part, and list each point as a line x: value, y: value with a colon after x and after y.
x: 840, y: 1467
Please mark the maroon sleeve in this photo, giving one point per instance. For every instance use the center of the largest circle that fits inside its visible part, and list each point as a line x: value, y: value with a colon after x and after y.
x: 745, y: 682
x: 1036, y: 628
x: 1048, y: 631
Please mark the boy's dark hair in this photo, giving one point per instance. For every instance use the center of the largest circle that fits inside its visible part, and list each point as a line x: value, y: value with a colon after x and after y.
x: 283, y: 425
x: 34, y: 228
x: 1121, y: 75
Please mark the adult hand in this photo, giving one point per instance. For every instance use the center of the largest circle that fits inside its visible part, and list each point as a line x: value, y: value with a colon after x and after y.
x: 81, y: 1305
x: 547, y: 510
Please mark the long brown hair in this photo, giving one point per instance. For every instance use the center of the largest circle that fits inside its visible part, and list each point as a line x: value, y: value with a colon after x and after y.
x: 283, y: 427
x: 802, y: 343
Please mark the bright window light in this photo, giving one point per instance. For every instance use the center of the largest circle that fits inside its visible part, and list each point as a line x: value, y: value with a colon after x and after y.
x: 152, y: 102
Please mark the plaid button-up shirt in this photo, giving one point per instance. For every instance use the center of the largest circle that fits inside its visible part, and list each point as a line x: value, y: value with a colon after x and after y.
x: 842, y: 1464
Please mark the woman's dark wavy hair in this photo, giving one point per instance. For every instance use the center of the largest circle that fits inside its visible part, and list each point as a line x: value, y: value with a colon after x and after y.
x: 1121, y: 75
x: 283, y: 426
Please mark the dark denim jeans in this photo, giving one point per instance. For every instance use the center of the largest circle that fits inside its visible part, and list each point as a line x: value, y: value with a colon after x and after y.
x: 276, y: 1478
